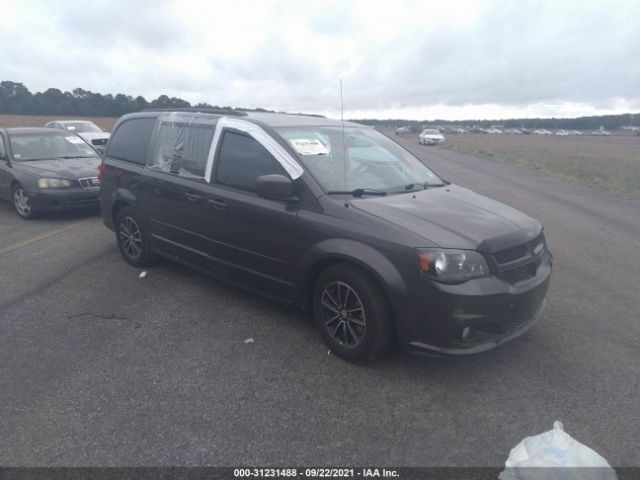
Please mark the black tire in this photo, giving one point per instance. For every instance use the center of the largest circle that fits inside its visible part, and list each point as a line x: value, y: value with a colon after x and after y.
x: 132, y: 236
x: 374, y: 326
x: 21, y: 203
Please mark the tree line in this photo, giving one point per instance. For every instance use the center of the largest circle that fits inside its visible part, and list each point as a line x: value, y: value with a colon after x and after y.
x: 15, y: 98
x: 609, y: 122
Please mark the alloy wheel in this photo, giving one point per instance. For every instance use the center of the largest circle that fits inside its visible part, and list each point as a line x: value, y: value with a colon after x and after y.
x: 21, y: 202
x: 343, y: 314
x: 131, y: 237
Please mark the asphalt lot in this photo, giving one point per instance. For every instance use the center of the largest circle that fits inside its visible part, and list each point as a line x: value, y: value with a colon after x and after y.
x: 100, y: 367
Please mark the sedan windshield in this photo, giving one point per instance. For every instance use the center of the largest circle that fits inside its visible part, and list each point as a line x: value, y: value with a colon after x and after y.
x: 81, y: 127
x: 39, y: 146
x: 357, y: 158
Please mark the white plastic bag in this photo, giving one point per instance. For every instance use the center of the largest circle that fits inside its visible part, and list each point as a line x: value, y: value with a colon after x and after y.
x: 567, y: 457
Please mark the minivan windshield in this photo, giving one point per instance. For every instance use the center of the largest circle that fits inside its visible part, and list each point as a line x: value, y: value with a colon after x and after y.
x: 38, y: 146
x: 358, y: 158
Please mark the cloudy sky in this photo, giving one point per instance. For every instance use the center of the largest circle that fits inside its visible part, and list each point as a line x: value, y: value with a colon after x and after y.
x: 421, y: 60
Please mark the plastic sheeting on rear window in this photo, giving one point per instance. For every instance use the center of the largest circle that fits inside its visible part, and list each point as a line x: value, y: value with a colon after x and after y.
x: 180, y: 144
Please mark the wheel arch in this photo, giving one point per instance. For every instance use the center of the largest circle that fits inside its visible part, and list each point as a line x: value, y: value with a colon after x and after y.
x: 330, y: 252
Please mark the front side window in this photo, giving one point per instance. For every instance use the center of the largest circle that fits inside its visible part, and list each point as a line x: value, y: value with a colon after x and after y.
x: 40, y: 146
x: 357, y: 157
x: 181, y: 148
x: 241, y: 160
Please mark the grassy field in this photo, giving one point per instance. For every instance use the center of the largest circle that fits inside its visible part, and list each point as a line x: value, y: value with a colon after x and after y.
x: 39, y: 120
x: 609, y: 163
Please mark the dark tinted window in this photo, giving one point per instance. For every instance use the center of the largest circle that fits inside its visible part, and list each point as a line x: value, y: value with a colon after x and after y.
x: 181, y: 148
x: 131, y: 139
x: 242, y: 160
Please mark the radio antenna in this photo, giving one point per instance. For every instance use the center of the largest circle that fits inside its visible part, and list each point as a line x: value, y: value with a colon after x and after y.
x: 344, y: 145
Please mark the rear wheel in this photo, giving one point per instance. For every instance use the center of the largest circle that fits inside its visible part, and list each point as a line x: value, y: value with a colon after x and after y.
x: 352, y: 313
x: 21, y: 203
x: 133, y: 239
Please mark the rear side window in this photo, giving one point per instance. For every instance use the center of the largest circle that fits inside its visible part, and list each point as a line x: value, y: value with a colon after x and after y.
x: 241, y: 160
x: 181, y: 148
x: 3, y: 151
x: 131, y: 139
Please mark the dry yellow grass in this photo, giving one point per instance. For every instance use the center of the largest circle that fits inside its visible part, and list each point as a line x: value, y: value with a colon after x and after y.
x: 611, y: 163
x: 39, y: 120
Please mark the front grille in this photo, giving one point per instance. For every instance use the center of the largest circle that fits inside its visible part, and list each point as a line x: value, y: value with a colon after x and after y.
x: 521, y: 273
x: 99, y: 141
x: 512, y: 254
x: 520, y: 263
x: 89, y: 182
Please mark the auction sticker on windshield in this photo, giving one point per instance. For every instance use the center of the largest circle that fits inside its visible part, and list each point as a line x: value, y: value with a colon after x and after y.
x: 75, y: 140
x: 311, y: 146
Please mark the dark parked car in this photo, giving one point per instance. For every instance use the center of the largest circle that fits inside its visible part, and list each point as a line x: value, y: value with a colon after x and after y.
x: 42, y: 169
x: 339, y: 220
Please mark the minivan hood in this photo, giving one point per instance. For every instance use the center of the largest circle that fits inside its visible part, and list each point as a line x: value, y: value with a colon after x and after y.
x: 69, y: 168
x: 454, y: 217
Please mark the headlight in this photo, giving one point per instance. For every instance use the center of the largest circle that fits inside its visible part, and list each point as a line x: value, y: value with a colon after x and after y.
x: 53, y: 183
x: 452, y: 266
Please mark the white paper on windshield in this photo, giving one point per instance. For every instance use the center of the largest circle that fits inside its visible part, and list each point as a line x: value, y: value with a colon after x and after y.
x: 75, y: 140
x: 311, y: 146
x: 71, y: 127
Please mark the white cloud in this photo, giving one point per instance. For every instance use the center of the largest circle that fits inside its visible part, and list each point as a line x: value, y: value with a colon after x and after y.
x: 464, y: 59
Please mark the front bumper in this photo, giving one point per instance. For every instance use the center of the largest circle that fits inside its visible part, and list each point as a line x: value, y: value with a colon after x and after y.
x: 47, y: 200
x: 475, y: 316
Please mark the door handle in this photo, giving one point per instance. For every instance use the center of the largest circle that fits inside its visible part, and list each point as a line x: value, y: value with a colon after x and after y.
x: 217, y: 203
x: 193, y: 197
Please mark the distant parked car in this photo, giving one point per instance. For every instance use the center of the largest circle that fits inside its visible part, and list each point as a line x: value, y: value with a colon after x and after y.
x: 477, y: 130
x: 562, y: 133
x: 513, y: 131
x: 601, y: 133
x: 91, y: 132
x: 430, y: 137
x: 525, y: 131
x: 42, y: 169
x: 494, y: 131
x: 574, y: 132
x: 542, y: 131
x: 401, y: 130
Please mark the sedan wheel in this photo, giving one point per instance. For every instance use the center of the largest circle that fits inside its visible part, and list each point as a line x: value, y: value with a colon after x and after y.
x: 21, y: 203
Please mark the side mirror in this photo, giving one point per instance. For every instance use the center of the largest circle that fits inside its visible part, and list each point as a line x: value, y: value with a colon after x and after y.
x: 275, y: 187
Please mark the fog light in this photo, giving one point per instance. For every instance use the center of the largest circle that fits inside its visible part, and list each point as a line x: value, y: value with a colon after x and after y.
x: 466, y: 332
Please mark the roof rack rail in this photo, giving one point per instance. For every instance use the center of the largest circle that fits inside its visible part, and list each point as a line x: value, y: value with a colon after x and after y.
x: 216, y: 111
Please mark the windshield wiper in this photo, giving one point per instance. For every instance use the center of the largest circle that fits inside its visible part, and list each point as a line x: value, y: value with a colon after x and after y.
x: 412, y: 186
x: 358, y: 192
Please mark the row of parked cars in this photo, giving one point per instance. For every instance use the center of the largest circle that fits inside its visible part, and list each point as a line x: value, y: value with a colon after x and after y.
x: 51, y: 168
x: 334, y: 217
x: 429, y: 136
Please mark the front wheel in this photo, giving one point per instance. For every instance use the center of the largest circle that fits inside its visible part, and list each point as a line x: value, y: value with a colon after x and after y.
x: 352, y: 313
x: 133, y: 239
x: 21, y: 203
